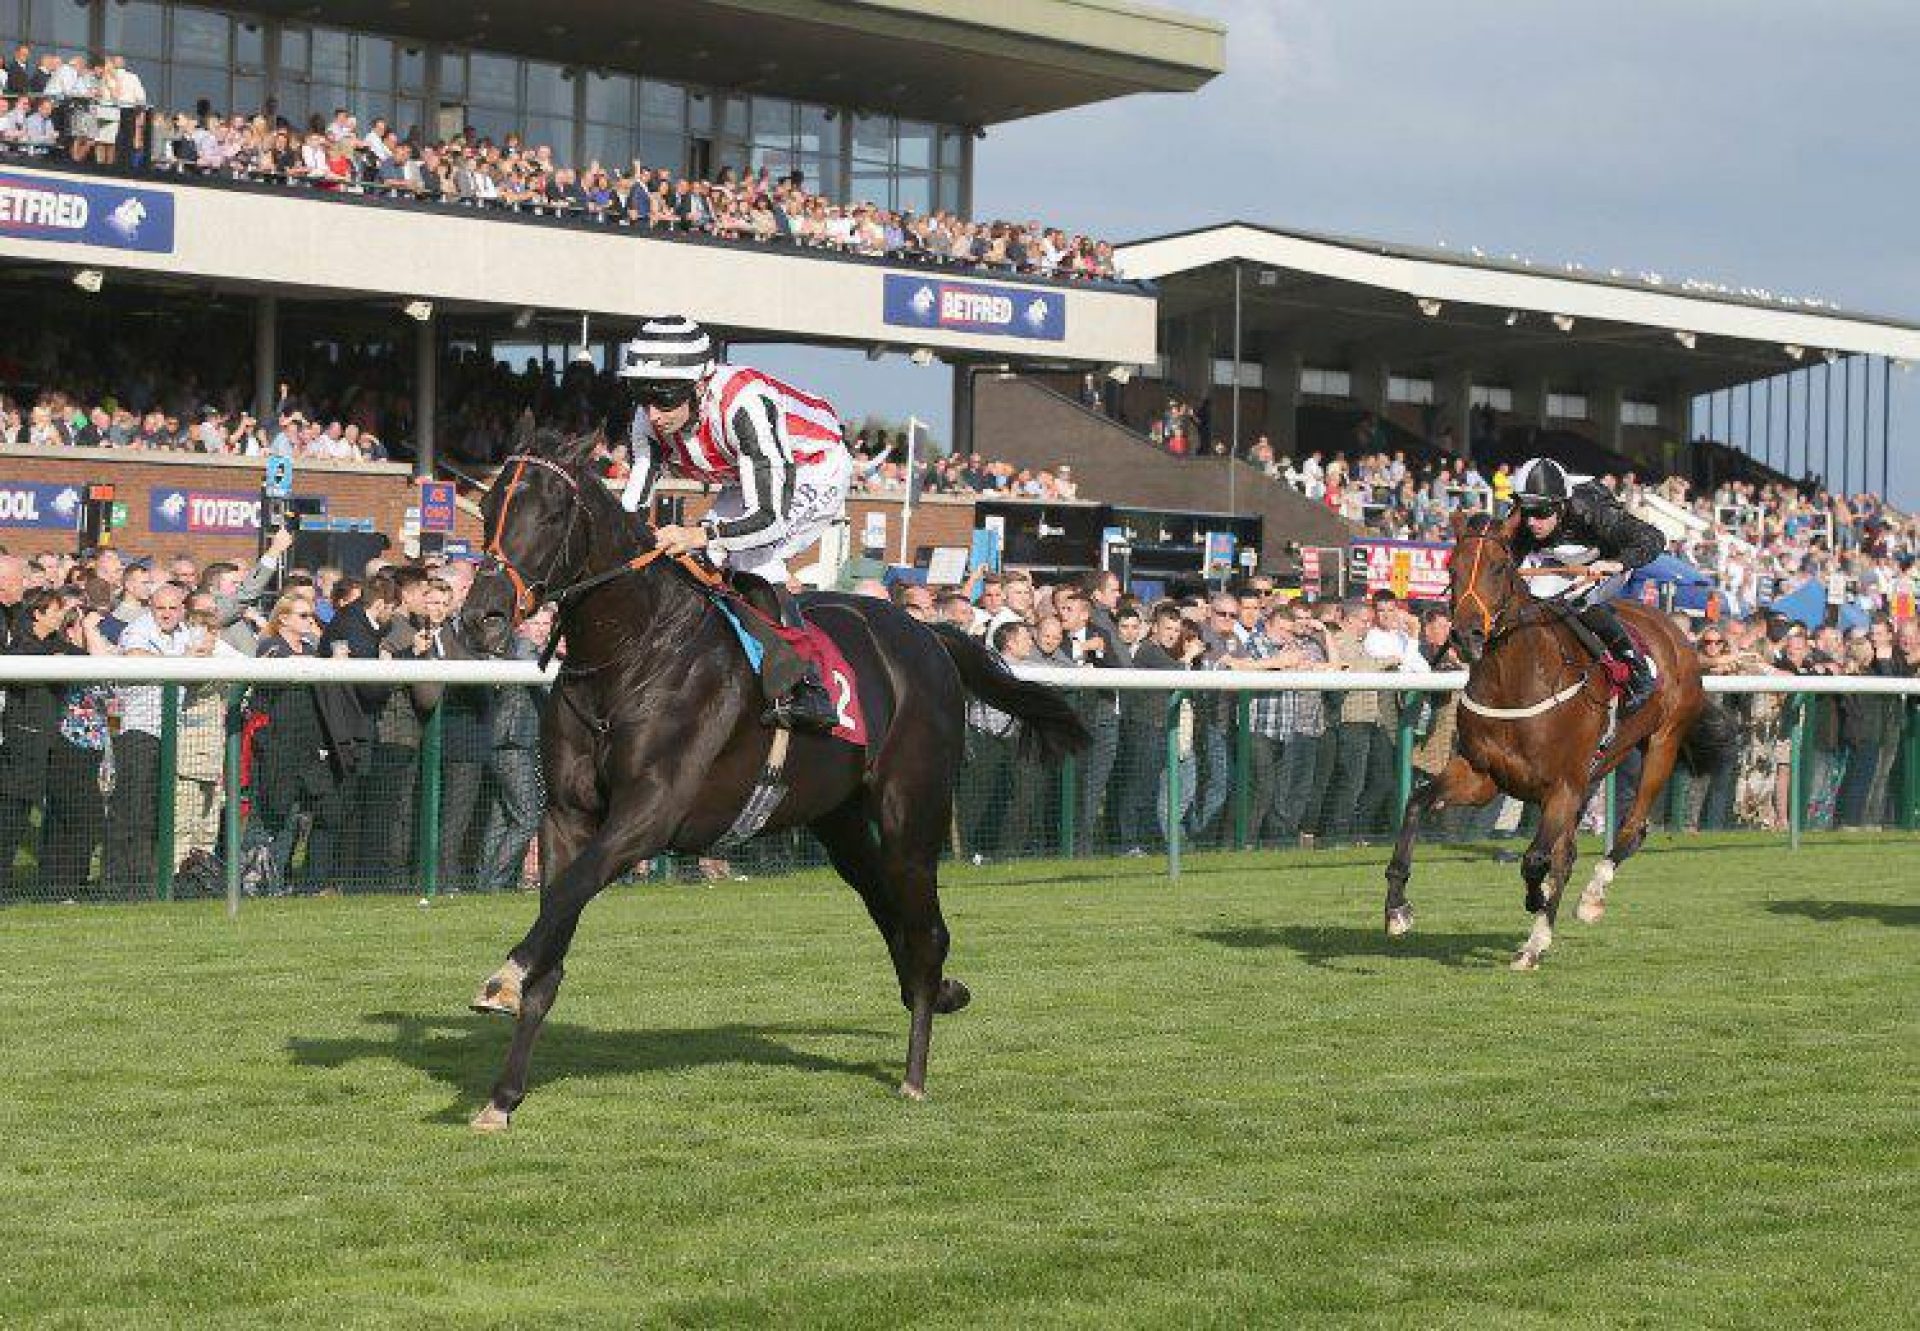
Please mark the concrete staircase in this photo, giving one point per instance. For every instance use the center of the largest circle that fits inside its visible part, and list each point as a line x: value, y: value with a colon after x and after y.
x: 1032, y: 426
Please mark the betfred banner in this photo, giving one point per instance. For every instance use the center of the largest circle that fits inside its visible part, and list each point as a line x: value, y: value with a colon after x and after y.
x: 975, y: 307
x: 50, y: 507
x: 82, y: 212
x: 203, y: 512
x: 1411, y: 570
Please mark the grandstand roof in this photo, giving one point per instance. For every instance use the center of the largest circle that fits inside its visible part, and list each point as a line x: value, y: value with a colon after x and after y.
x: 966, y: 62
x: 1435, y: 308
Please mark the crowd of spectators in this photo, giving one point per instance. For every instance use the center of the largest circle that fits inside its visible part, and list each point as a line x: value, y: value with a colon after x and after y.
x: 95, y: 111
x: 1321, y: 765
x: 329, y: 773
x: 55, y: 419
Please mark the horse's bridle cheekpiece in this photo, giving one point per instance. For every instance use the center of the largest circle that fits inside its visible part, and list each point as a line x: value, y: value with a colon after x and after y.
x: 529, y: 592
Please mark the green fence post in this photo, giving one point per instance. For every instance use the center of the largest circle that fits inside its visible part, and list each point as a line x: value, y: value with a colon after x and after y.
x: 426, y: 823
x: 1796, y: 764
x: 234, y: 825
x: 1069, y: 803
x: 164, y: 857
x: 1910, y: 763
x: 1174, y: 700
x: 1404, y: 755
x: 1242, y: 768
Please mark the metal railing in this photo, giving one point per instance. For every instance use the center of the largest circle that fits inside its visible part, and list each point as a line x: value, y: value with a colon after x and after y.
x: 143, y: 777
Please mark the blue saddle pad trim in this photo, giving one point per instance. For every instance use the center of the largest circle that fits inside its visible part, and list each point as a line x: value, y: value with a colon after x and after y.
x: 755, y: 652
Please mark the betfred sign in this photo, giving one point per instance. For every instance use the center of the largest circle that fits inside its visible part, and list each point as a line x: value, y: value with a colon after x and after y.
x: 203, y: 512
x: 975, y: 307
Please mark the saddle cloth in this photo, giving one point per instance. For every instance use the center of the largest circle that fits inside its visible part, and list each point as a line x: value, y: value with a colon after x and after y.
x: 1616, y: 671
x: 813, y: 646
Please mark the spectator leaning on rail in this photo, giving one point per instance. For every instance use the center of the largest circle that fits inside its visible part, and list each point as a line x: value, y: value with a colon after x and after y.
x: 777, y: 454
x: 159, y: 630
x: 1583, y: 524
x: 46, y: 620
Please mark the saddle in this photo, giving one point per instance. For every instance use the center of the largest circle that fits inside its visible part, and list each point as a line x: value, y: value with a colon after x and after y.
x: 811, y: 645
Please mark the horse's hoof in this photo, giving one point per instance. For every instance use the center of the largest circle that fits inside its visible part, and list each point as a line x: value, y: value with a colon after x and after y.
x: 908, y: 1091
x: 954, y: 995
x: 1525, y: 960
x: 501, y: 992
x: 1592, y: 908
x: 1399, y: 921
x: 492, y: 1119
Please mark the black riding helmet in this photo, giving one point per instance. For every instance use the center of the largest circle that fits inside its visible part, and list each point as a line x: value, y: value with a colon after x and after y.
x: 1543, y: 488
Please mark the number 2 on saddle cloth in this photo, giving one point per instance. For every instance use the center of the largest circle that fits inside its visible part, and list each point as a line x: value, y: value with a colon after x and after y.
x: 813, y: 646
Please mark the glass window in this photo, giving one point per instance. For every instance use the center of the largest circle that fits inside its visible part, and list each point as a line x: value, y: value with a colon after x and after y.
x: 916, y: 145
x: 249, y: 44
x: 663, y: 104
x: 554, y: 131
x: 494, y: 79
x: 411, y: 75
x: 492, y: 122
x: 871, y: 185
x: 249, y: 94
x: 61, y: 24
x: 820, y: 174
x: 10, y: 19
x: 199, y: 35
x: 873, y: 139
x: 453, y: 75
x: 332, y: 54
x: 325, y: 98
x: 609, y: 145
x: 293, y: 52
x: 913, y: 192
x: 549, y: 89
x: 819, y: 130
x: 137, y: 28
x: 373, y: 63
x: 409, y: 115
x: 773, y: 122
x: 953, y: 149
x: 191, y: 83
x: 733, y: 118
x: 699, y: 113
x: 657, y: 148
x: 947, y: 196
x: 610, y: 98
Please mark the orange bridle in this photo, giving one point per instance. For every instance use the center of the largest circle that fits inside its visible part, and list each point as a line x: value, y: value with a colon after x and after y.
x: 528, y: 593
x: 1472, y: 595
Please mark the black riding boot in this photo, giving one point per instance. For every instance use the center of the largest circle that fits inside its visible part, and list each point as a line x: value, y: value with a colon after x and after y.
x: 796, y: 698
x: 1619, y: 643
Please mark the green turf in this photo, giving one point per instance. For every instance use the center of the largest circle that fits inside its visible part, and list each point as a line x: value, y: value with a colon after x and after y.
x: 1228, y: 1102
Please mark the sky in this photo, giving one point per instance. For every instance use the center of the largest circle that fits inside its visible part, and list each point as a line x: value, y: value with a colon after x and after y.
x: 1756, y: 142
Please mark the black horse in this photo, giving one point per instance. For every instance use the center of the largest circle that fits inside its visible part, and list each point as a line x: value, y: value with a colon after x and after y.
x: 651, y: 739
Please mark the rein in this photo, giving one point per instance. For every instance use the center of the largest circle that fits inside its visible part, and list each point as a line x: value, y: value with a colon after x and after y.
x: 528, y: 593
x: 1532, y: 613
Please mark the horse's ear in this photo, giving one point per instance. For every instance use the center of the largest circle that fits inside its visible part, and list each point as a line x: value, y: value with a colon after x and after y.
x: 1457, y: 520
x: 566, y: 449
x: 1510, y: 525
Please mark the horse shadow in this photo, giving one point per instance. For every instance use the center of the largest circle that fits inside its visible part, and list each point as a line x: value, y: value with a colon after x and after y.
x: 1893, y: 914
x: 463, y: 1052
x: 1326, y: 946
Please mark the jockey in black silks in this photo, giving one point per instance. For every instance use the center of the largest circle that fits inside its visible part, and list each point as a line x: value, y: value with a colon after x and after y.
x: 783, y: 470
x: 1584, y: 525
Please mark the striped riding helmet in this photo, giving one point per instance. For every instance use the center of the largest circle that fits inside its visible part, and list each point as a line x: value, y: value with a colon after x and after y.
x: 668, y: 352
x: 1542, y: 486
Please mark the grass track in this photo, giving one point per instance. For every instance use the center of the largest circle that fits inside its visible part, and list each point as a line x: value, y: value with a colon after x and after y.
x: 1231, y: 1102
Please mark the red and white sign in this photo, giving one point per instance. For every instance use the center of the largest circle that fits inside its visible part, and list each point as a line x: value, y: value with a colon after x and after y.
x: 1411, y: 570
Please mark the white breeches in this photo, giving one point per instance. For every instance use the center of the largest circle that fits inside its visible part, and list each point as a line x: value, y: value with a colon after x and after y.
x: 819, y: 499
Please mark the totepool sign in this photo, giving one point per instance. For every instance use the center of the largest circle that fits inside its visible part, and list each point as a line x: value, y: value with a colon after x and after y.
x: 53, y: 507
x: 976, y: 307
x: 204, y: 512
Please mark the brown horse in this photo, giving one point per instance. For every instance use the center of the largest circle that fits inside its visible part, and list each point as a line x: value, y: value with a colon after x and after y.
x: 1533, y: 724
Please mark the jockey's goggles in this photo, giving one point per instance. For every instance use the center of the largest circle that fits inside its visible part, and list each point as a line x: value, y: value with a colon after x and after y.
x: 664, y: 396
x: 1535, y: 507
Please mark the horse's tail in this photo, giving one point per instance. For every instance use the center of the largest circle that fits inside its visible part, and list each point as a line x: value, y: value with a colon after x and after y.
x: 1711, y: 739
x: 1052, y: 730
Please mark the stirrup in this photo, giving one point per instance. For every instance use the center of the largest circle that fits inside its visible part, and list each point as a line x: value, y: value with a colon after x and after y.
x: 809, y: 707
